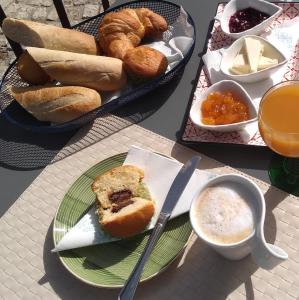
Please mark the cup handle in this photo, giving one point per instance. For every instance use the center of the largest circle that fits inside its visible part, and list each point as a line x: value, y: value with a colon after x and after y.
x: 268, y: 256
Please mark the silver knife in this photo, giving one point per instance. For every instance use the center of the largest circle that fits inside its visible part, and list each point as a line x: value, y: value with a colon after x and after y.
x: 175, y: 192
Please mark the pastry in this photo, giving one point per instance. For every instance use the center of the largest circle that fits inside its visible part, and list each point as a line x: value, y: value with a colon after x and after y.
x: 123, y: 30
x: 154, y: 24
x: 124, y: 202
x: 144, y: 63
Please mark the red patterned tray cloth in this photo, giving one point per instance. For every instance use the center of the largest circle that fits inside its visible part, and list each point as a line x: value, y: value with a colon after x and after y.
x: 217, y: 41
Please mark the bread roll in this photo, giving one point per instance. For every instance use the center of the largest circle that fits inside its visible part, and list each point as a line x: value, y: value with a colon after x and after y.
x: 144, y: 63
x: 30, y: 71
x: 34, y: 34
x: 56, y: 104
x: 124, y: 202
x: 130, y: 220
x: 98, y: 72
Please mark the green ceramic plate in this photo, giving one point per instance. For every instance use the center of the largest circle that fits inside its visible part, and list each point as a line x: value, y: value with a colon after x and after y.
x: 109, y: 265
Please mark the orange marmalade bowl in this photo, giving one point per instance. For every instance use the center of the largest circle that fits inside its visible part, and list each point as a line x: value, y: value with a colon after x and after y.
x: 278, y: 118
x: 231, y: 117
x: 223, y: 108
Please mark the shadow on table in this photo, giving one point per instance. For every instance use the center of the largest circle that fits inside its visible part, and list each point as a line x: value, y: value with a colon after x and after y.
x: 21, y: 149
x: 237, y: 156
x: 234, y: 156
x: 273, y: 197
x: 203, y: 274
x: 25, y: 150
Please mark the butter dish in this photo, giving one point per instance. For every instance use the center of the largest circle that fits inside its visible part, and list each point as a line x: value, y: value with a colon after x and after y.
x: 235, y: 5
x: 260, y: 54
x: 223, y: 86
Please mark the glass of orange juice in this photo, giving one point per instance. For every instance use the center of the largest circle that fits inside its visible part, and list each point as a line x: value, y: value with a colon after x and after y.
x: 278, y: 121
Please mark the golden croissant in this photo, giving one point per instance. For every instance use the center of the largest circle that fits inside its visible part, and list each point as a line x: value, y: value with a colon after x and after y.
x: 124, y: 30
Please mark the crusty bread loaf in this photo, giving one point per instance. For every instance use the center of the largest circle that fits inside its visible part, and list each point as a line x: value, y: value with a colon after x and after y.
x: 30, y: 71
x: 56, y: 104
x: 97, y: 72
x: 144, y: 63
x: 124, y: 202
x: 34, y: 34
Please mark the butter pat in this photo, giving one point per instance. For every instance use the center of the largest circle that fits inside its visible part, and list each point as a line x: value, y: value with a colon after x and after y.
x: 266, y: 62
x: 255, y: 55
x: 254, y: 49
x: 240, y: 65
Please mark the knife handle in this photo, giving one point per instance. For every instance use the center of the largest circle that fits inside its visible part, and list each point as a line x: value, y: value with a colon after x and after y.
x: 128, y: 291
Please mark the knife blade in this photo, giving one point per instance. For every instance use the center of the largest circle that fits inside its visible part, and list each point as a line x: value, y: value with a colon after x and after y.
x: 177, y: 188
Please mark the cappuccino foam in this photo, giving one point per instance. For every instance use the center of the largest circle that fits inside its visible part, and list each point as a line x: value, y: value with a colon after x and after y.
x: 223, y: 214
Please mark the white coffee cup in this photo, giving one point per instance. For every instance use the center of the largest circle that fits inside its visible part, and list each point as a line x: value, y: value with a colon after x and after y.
x: 265, y: 255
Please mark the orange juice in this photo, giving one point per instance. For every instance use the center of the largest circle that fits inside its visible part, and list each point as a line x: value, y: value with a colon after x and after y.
x: 279, y: 118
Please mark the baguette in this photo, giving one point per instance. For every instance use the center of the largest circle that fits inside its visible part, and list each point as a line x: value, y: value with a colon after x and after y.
x: 97, y: 72
x: 56, y: 104
x: 30, y: 71
x: 34, y: 34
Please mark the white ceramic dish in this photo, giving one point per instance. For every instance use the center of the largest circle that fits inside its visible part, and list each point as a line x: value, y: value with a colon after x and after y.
x: 235, y: 5
x: 229, y: 54
x: 238, y: 250
x: 264, y: 254
x: 223, y: 86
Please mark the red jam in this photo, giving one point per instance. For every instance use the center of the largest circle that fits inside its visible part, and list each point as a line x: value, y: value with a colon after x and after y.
x: 245, y: 19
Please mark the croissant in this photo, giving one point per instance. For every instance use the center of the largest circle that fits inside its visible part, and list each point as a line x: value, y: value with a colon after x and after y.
x: 123, y: 30
x: 154, y: 24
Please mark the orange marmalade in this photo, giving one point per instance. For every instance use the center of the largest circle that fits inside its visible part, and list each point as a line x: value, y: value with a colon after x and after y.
x: 223, y: 108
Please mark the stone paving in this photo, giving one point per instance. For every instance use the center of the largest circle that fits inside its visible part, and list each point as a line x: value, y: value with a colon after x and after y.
x: 43, y: 11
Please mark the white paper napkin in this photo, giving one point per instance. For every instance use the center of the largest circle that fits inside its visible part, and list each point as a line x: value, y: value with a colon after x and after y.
x: 159, y: 172
x: 175, y: 50
x: 284, y: 37
x: 181, y: 37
